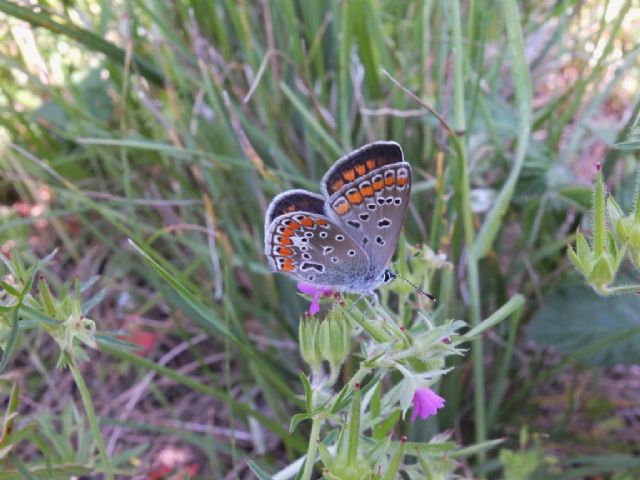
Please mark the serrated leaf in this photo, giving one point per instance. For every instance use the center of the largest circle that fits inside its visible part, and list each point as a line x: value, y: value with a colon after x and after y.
x: 574, y: 317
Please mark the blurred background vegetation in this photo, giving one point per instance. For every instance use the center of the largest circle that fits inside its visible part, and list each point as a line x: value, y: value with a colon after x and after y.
x: 174, y: 123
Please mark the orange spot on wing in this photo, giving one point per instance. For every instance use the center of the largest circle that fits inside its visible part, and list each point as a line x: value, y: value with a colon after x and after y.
x: 294, y: 225
x: 291, y: 208
x: 285, y: 241
x: 307, y: 222
x: 378, y: 185
x: 371, y: 164
x: 366, y: 190
x: 321, y: 221
x: 390, y: 180
x: 287, y: 232
x: 342, y: 208
x: 354, y: 197
x: 337, y: 185
x: 285, y: 251
x: 402, y: 181
x: 288, y: 265
x: 361, y: 169
x: 349, y: 175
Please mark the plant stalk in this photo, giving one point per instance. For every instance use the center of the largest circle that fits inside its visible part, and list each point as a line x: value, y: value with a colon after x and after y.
x: 312, y: 448
x: 91, y: 416
x: 467, y: 218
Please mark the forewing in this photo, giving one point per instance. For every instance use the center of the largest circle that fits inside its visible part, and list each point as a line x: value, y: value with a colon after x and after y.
x: 372, y: 210
x: 359, y: 163
x: 311, y: 247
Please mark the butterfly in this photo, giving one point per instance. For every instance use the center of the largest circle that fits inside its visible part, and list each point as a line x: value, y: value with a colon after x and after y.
x: 343, y: 239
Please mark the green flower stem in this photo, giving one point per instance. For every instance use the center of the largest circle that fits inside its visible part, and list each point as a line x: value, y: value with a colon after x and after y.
x: 91, y: 415
x: 313, y: 447
x: 467, y: 218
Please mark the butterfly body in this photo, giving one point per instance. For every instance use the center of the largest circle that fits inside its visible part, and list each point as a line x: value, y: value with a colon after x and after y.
x: 344, y: 238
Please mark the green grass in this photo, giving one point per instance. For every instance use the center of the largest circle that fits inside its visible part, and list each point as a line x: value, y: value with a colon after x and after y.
x: 174, y: 124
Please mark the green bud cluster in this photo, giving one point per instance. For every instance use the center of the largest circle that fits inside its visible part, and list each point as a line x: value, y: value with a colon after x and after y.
x: 599, y: 264
x: 325, y: 340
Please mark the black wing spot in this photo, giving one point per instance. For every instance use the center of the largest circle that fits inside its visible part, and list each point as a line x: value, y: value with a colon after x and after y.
x: 398, y: 201
x: 389, y: 200
x: 351, y: 253
x: 379, y: 240
x: 311, y: 278
x: 339, y: 237
x: 380, y: 200
x: 334, y: 259
x: 327, y: 250
x: 364, y: 217
x: 323, y: 234
x: 384, y: 223
x: 371, y: 206
x: 312, y: 266
x: 308, y: 234
x: 354, y: 224
x: 306, y: 256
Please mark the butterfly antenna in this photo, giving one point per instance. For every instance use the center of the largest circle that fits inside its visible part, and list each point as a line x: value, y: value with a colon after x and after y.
x: 417, y: 288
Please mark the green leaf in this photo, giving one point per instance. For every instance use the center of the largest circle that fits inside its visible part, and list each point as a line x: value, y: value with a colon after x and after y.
x: 575, y: 259
x: 382, y: 429
x: 261, y: 474
x: 582, y: 249
x: 308, y: 394
x: 296, y: 419
x: 574, y: 317
x: 11, y: 343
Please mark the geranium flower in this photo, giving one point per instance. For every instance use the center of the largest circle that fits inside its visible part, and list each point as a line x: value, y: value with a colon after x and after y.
x: 426, y: 403
x: 309, y: 289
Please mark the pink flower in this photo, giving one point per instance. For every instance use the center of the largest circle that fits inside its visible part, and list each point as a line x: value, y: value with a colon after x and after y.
x: 426, y: 403
x: 309, y: 289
